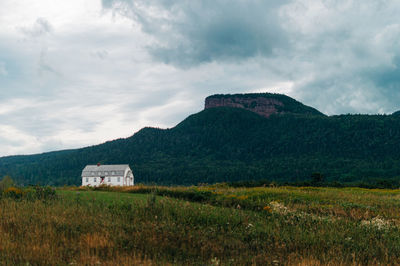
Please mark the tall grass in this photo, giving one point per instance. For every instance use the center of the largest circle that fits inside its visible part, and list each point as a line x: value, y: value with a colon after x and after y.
x: 90, y: 227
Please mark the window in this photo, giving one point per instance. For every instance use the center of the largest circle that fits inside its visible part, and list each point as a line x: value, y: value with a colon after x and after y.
x: 113, y: 173
x: 87, y: 179
x: 99, y: 173
x: 109, y: 179
x: 94, y: 179
x: 106, y: 173
x: 92, y: 173
x: 119, y: 179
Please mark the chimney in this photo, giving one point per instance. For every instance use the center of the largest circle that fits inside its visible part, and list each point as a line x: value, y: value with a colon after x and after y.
x: 98, y: 164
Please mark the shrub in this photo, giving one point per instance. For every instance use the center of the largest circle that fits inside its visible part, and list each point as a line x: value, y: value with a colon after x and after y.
x: 13, y: 192
x: 30, y: 193
x: 5, y: 183
x: 44, y: 193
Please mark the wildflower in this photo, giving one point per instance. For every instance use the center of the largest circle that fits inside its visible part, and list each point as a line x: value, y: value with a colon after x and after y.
x: 267, y: 208
x: 377, y: 222
x: 278, y: 207
x: 215, y: 261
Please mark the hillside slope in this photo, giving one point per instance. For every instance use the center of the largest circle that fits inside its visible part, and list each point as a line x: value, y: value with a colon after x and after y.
x: 231, y: 144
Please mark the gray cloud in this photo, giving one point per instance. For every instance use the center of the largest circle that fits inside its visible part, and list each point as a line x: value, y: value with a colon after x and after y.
x: 101, y: 54
x: 340, y: 56
x: 350, y: 49
x: 188, y: 33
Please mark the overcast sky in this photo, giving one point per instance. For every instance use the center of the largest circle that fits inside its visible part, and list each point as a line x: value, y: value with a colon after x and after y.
x: 75, y: 73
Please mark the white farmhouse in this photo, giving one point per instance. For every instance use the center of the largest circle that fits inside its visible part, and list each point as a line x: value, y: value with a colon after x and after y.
x: 112, y: 175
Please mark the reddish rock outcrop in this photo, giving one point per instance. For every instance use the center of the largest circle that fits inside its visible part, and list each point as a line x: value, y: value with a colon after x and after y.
x: 260, y: 105
x: 264, y: 104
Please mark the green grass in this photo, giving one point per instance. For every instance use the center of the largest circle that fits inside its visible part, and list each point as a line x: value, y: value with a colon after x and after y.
x: 103, y: 196
x: 261, y: 226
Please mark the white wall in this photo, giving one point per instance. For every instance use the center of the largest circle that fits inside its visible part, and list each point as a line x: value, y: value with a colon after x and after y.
x: 90, y: 181
x: 129, y: 178
x: 126, y: 180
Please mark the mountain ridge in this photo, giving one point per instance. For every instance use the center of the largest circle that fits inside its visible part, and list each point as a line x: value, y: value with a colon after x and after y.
x: 233, y: 144
x: 264, y: 104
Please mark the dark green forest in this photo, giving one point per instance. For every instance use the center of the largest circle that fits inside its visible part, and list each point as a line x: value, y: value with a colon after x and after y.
x: 229, y: 145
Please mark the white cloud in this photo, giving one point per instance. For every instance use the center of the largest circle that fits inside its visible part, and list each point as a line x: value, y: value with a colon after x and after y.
x: 15, y: 141
x: 40, y: 28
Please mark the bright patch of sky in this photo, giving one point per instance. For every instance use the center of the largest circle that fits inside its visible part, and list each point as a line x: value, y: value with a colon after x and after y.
x: 80, y: 72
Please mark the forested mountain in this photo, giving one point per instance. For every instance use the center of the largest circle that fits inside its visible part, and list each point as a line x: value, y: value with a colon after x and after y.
x: 233, y: 144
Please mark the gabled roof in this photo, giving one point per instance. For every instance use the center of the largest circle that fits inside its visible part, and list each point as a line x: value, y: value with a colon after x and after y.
x: 117, y: 168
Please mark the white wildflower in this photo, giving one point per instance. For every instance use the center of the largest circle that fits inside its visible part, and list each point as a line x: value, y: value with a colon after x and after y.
x: 278, y: 207
x: 377, y: 222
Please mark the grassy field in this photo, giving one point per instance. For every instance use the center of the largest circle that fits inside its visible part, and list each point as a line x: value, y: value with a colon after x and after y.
x: 210, y: 225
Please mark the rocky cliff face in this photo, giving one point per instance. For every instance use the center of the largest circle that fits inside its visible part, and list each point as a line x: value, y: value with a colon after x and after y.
x: 260, y: 105
x: 264, y: 104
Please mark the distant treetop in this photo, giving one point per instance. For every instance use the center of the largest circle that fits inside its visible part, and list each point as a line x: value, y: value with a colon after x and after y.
x: 397, y: 113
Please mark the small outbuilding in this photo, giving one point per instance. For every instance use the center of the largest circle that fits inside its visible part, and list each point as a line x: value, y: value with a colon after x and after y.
x: 112, y: 175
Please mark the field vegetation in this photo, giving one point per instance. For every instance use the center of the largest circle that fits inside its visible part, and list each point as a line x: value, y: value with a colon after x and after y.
x: 200, y: 225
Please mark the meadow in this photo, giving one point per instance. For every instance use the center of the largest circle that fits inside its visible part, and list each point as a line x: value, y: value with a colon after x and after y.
x: 200, y: 225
